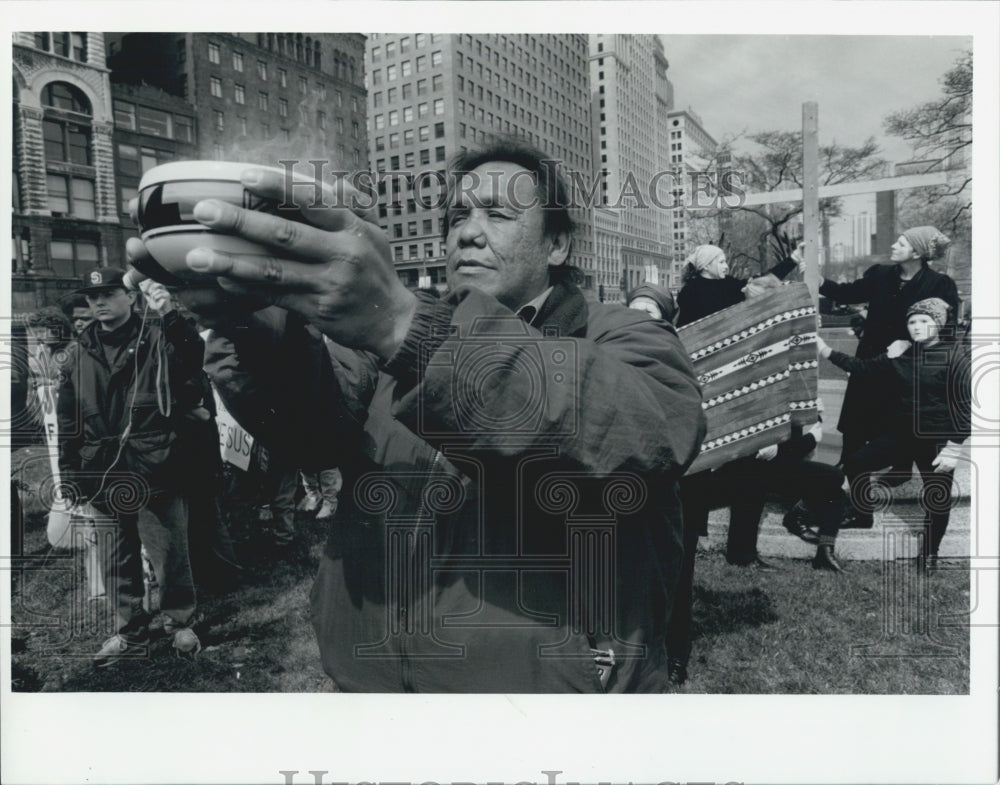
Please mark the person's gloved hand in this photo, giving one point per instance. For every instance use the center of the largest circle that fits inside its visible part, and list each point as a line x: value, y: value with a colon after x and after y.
x: 897, y: 348
x: 823, y: 347
x: 947, y: 459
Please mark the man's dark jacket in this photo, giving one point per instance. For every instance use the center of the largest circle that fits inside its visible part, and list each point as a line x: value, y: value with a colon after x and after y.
x: 510, y: 490
x: 98, y: 401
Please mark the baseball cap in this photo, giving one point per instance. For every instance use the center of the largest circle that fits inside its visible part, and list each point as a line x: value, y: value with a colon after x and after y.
x: 102, y: 278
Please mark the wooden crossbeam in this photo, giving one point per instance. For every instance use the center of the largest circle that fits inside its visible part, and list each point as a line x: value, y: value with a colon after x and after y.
x: 847, y: 189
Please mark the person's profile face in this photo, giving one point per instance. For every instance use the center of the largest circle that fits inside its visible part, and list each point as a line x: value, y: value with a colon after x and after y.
x: 922, y: 328
x: 717, y: 268
x: 496, y: 239
x: 901, y: 250
x: 643, y: 303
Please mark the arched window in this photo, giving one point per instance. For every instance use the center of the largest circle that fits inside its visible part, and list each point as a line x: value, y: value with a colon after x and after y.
x: 66, y: 124
x: 298, y: 47
x: 309, y: 51
x: 66, y: 128
x: 316, y: 54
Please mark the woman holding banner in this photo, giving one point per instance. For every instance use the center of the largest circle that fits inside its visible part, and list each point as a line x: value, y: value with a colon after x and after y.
x: 889, y: 289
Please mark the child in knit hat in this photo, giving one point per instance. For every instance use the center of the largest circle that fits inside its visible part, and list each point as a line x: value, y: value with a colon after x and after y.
x: 931, y: 381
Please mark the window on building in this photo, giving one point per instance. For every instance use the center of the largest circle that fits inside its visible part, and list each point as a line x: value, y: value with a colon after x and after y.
x: 238, y: 61
x: 424, y: 133
x: 126, y: 194
x: 376, y: 53
x: 439, y: 153
x: 154, y: 122
x: 408, y: 136
x: 393, y: 141
x: 303, y: 85
x: 42, y: 41
x: 214, y: 53
x: 218, y: 151
x: 390, y: 49
x: 243, y: 126
x: 71, y: 196
x: 410, y: 160
x: 413, y: 251
x: 397, y: 253
x: 439, y: 106
x: 261, y: 70
x: 411, y: 228
x: 262, y: 101
x: 397, y: 231
x: 283, y: 77
x: 404, y: 44
x: 406, y: 68
x: 239, y: 94
x: 220, y: 121
x: 128, y: 160
x: 125, y: 115
x: 439, y: 130
x: 282, y: 107
x: 71, y: 258
x: 407, y: 114
x: 419, y: 39
x: 436, y: 58
x: 66, y: 125
x: 215, y: 87
x: 183, y: 128
x: 321, y: 118
x: 355, y: 130
x: 394, y: 117
x: 437, y: 82
x: 379, y: 143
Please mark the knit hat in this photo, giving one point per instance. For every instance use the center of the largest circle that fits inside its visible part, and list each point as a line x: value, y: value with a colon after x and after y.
x: 662, y: 297
x: 927, y: 242
x: 704, y: 255
x: 934, y: 307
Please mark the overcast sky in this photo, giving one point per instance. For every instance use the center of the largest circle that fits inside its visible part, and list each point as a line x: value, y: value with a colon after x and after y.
x: 759, y: 82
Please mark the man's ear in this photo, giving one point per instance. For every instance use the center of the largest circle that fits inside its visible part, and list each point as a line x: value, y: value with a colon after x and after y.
x: 558, y: 249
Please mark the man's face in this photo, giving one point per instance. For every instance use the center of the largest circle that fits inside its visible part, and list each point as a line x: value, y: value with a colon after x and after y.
x: 496, y: 239
x: 110, y: 307
x: 81, y: 318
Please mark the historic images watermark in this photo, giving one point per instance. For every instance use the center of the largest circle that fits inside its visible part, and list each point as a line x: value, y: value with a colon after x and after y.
x: 317, y: 777
x: 435, y: 189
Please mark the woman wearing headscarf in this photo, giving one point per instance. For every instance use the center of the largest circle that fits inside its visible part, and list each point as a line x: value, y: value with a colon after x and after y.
x: 708, y: 287
x: 889, y: 289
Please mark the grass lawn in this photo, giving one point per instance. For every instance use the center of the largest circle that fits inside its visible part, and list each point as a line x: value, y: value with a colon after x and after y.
x: 787, y: 632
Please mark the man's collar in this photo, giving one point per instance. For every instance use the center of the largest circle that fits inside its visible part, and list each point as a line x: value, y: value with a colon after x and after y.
x: 530, y: 310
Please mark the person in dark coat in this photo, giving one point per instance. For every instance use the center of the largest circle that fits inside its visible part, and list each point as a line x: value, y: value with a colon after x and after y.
x: 930, y: 419
x: 127, y: 380
x: 510, y: 451
x: 654, y: 300
x: 708, y: 287
x: 889, y: 289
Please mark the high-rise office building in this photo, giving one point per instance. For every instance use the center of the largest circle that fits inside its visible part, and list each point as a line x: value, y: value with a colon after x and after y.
x: 692, y: 150
x: 431, y: 95
x: 628, y: 80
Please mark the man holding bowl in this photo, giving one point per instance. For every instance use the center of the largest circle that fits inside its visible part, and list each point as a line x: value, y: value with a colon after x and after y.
x: 509, y: 521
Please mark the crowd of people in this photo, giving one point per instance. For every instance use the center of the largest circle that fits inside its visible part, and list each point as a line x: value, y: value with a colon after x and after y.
x: 459, y: 487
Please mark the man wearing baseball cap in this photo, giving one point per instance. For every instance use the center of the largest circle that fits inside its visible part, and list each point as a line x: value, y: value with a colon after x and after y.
x: 128, y: 380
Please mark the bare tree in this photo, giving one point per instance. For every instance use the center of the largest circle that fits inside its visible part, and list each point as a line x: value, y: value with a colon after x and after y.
x: 758, y: 235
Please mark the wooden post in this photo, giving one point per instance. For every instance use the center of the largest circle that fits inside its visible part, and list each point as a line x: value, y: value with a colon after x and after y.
x: 810, y: 195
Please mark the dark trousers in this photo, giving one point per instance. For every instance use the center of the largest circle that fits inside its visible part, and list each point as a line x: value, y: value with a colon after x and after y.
x: 885, y: 451
x: 161, y: 525
x: 750, y: 481
x: 695, y: 492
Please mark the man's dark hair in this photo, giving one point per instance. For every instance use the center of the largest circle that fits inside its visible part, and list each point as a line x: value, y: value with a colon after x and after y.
x: 553, y: 193
x: 69, y: 304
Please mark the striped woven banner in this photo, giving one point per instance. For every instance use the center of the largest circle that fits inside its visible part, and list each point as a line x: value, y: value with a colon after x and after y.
x: 757, y: 365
